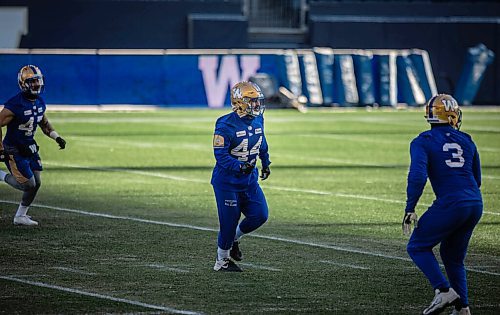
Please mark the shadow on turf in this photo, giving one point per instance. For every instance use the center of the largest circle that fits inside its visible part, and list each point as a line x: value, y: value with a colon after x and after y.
x: 210, y: 167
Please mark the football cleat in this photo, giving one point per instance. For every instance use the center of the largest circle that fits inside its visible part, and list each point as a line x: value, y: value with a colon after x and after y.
x: 441, y: 301
x: 443, y: 109
x: 235, y: 252
x: 462, y: 311
x: 24, y: 220
x: 226, y: 264
x: 30, y: 80
x: 247, y: 99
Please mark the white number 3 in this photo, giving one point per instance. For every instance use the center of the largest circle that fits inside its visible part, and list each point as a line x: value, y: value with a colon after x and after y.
x: 457, y: 155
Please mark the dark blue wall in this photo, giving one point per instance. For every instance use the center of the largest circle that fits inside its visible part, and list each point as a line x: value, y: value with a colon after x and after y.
x: 116, y: 24
x: 166, y: 24
x: 446, y: 30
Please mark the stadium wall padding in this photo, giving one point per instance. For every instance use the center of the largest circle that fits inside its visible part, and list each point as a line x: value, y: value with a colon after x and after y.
x: 204, y: 77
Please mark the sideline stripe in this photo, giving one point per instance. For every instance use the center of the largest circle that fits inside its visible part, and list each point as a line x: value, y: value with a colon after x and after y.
x: 97, y: 295
x: 267, y: 237
x: 194, y: 180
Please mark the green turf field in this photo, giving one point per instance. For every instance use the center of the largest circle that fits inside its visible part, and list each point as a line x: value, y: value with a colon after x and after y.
x: 128, y: 222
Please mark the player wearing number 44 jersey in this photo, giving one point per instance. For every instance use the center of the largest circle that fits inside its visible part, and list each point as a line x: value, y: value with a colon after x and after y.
x: 238, y: 140
x: 449, y: 158
x: 19, y: 150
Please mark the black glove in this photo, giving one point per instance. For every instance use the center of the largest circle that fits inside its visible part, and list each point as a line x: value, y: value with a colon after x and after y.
x: 247, y: 168
x: 61, y: 142
x: 409, y: 219
x: 4, y: 157
x: 264, y: 173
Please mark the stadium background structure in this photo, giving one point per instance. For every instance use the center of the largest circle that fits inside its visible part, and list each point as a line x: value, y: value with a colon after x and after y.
x: 445, y: 29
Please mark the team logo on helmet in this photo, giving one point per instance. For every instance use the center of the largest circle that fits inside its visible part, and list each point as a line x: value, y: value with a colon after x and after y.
x: 443, y: 109
x: 30, y: 80
x: 247, y: 99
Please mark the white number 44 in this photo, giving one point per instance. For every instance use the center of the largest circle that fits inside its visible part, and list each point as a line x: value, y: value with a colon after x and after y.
x: 241, y: 150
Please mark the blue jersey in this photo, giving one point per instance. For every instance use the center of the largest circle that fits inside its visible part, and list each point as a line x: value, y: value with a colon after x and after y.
x: 450, y: 159
x: 21, y: 130
x: 236, y: 141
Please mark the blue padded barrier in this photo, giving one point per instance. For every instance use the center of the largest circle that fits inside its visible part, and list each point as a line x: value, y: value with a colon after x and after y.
x: 363, y: 68
x: 477, y: 60
x: 409, y: 87
x: 309, y: 72
x: 385, y: 73
x: 421, y: 63
x: 346, y: 91
x: 204, y: 77
x: 289, y: 72
x: 324, y: 60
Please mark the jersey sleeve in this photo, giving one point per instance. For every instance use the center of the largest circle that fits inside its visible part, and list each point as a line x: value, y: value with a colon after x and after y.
x: 417, y: 175
x: 476, y: 168
x: 221, y: 145
x: 263, y: 153
x: 10, y: 106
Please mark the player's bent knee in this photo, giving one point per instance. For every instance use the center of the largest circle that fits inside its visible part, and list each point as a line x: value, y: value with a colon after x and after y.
x: 263, y: 219
x: 412, y: 249
x: 31, y: 184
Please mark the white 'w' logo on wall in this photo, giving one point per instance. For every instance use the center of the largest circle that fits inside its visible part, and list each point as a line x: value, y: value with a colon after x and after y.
x: 217, y: 82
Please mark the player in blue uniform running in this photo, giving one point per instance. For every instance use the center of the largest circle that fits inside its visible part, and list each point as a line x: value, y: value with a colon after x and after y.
x: 238, y: 140
x: 449, y: 158
x: 19, y: 150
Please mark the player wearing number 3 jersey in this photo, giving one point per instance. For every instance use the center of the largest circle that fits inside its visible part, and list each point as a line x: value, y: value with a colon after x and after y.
x: 19, y: 150
x: 238, y: 140
x: 449, y: 158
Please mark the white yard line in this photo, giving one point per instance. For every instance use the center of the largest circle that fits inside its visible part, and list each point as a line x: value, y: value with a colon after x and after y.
x: 259, y: 266
x: 268, y: 237
x: 490, y: 177
x: 163, y: 267
x: 74, y: 271
x: 344, y: 265
x: 97, y: 295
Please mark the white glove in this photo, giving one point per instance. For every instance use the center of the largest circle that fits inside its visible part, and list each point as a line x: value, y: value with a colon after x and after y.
x: 409, y: 218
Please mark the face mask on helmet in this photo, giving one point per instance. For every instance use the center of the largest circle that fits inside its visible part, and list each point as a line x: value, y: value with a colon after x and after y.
x: 247, y: 99
x: 443, y: 109
x: 30, y: 80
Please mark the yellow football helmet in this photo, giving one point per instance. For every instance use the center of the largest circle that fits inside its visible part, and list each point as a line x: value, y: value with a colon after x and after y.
x: 443, y: 109
x: 30, y: 80
x: 247, y: 99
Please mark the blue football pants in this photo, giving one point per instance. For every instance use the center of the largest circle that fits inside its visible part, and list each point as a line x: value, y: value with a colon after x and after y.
x: 452, y: 228
x: 230, y: 205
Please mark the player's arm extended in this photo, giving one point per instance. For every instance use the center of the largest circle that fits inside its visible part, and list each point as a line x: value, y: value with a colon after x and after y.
x: 6, y: 117
x: 49, y: 131
x: 417, y: 175
x: 221, y: 144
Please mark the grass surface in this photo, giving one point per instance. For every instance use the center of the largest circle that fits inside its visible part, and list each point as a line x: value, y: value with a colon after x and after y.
x: 127, y: 216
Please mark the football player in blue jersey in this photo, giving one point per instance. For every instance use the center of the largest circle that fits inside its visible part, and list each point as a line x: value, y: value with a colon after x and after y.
x: 238, y: 140
x: 19, y: 150
x: 449, y: 158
